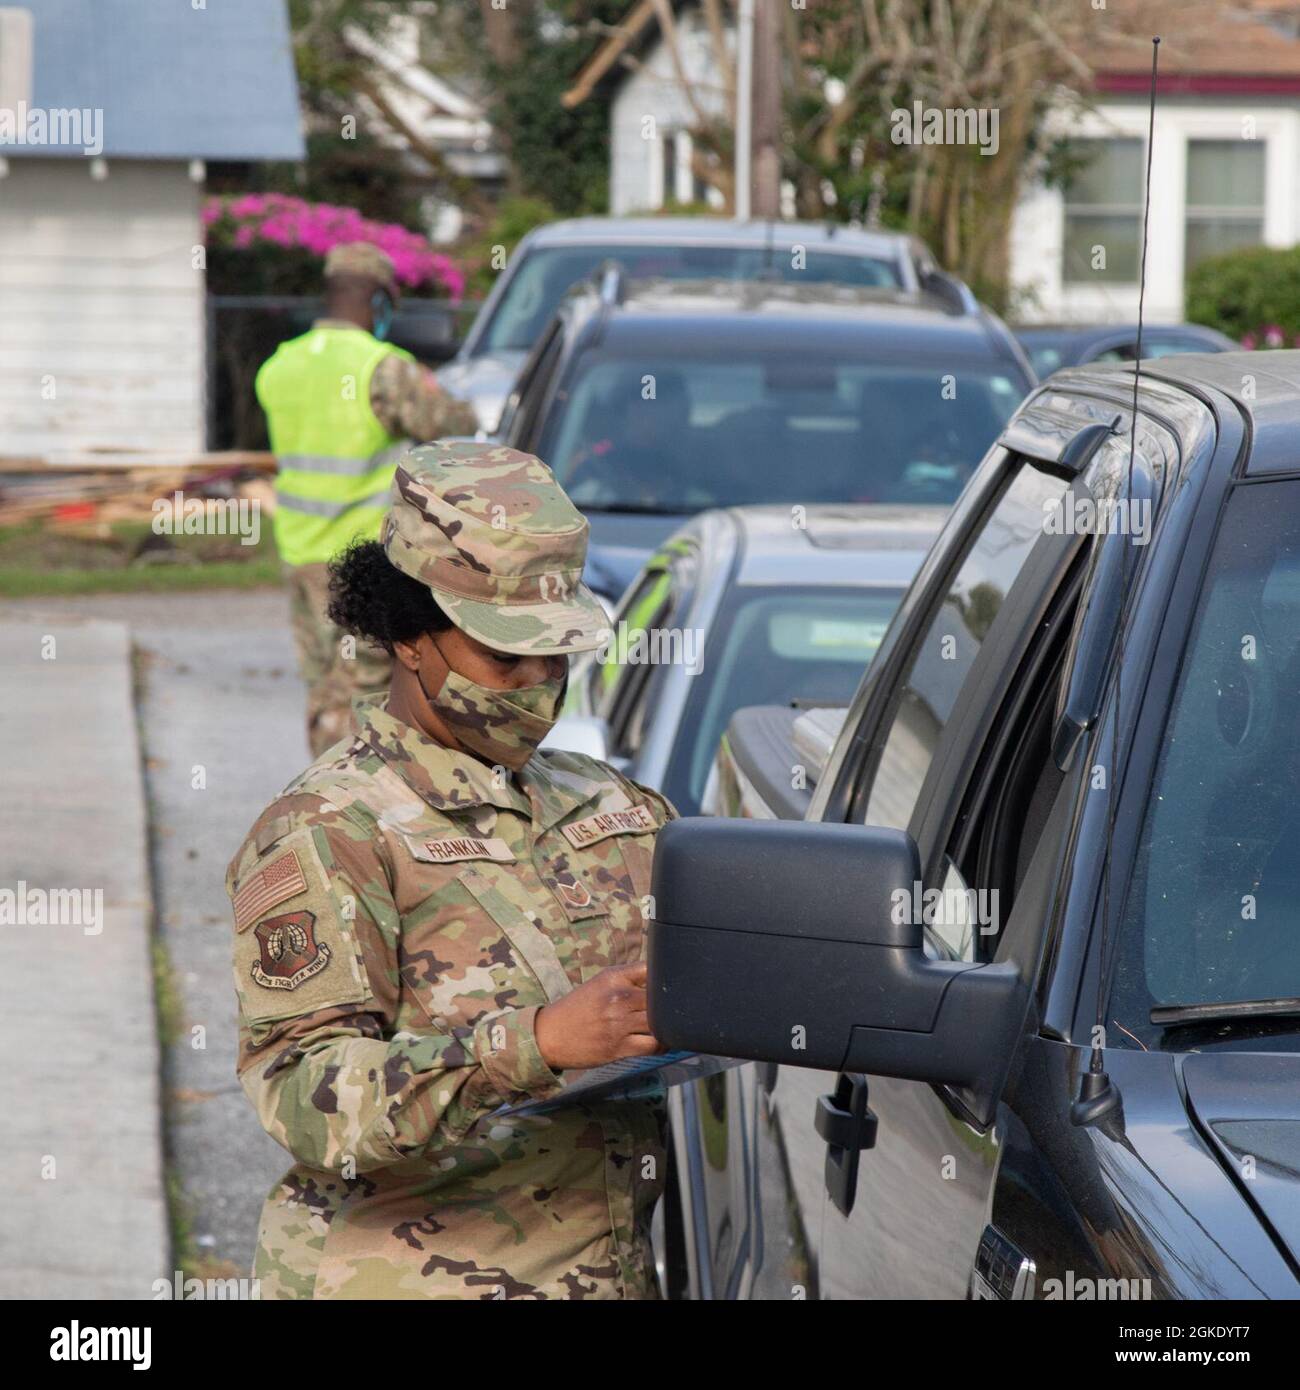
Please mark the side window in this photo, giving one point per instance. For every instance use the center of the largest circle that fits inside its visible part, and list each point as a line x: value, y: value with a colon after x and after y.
x: 1007, y: 803
x: 951, y: 925
x: 1009, y: 807
x: 618, y: 682
x: 517, y: 419
x: 942, y: 659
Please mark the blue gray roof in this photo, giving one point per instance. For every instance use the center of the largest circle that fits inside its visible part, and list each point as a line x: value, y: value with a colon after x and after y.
x: 172, y: 81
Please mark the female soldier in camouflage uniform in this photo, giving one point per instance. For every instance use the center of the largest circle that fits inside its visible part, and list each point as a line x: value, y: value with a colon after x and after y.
x: 436, y: 921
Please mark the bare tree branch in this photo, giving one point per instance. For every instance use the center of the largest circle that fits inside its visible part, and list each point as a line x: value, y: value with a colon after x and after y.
x: 668, y: 28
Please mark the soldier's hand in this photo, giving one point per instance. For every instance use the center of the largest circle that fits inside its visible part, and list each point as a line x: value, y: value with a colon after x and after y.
x: 601, y: 1020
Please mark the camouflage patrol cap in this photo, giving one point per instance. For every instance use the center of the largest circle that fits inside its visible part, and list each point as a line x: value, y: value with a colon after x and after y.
x: 500, y: 546
x: 363, y: 259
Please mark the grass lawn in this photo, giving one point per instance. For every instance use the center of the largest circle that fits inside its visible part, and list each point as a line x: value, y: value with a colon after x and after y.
x: 127, y: 557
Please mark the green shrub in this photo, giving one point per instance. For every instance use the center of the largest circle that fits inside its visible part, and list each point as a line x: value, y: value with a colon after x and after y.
x: 1251, y: 295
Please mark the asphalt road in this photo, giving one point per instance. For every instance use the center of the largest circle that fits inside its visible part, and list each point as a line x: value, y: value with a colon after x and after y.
x: 221, y: 715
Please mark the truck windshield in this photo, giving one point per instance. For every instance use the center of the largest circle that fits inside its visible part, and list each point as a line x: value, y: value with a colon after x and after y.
x: 536, y: 288
x: 1213, y: 912
x: 706, y: 429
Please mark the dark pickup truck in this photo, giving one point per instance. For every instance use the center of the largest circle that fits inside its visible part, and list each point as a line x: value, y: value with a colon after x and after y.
x: 1021, y: 971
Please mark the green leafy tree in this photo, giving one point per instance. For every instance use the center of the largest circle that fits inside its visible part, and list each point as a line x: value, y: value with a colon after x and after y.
x: 532, y: 48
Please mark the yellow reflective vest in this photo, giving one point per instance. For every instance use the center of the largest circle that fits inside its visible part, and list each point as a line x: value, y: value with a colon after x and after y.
x: 335, y: 459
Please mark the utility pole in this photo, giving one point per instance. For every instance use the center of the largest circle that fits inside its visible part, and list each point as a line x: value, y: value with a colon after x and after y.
x: 744, y: 107
x: 766, y: 115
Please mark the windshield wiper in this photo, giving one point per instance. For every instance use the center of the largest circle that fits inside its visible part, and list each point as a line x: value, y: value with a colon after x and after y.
x: 1225, y: 1012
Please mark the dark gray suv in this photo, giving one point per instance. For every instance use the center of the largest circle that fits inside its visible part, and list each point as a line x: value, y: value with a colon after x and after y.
x: 654, y: 400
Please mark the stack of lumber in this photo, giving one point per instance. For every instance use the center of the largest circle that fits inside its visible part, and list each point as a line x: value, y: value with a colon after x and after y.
x: 99, y: 489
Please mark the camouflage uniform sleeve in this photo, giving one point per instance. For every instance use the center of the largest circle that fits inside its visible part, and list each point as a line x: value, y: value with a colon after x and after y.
x: 316, y: 971
x: 662, y: 809
x: 410, y: 404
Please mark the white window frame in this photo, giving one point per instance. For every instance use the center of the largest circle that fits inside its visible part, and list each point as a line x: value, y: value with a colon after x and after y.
x: 1037, y: 250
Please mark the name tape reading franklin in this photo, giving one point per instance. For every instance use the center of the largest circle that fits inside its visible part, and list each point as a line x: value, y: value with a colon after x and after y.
x: 451, y: 848
x: 586, y: 832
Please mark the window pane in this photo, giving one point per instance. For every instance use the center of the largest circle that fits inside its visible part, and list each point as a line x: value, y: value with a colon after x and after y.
x: 947, y: 652
x: 769, y: 648
x: 1225, y: 174
x: 651, y: 600
x: 669, y: 160
x: 1119, y: 237
x: 948, y: 919
x: 1109, y: 173
x: 758, y: 425
x: 1212, y: 236
x: 540, y: 283
x: 1213, y: 912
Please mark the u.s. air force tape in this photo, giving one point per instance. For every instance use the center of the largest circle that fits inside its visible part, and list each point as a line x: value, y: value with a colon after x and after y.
x: 586, y: 832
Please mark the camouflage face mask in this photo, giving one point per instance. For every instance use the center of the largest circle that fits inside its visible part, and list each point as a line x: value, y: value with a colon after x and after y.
x: 502, y: 726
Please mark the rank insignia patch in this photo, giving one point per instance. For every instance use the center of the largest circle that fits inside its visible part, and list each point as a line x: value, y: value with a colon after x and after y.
x: 575, y: 894
x: 289, y: 951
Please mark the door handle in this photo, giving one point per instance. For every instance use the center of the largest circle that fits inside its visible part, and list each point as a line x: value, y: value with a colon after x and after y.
x: 848, y: 1125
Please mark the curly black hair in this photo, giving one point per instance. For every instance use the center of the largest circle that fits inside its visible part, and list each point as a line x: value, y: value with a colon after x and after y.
x: 372, y: 598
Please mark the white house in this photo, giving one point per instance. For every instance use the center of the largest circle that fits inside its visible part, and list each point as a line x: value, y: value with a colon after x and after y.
x: 110, y: 111
x: 1225, y: 170
x: 419, y: 105
x: 650, y: 143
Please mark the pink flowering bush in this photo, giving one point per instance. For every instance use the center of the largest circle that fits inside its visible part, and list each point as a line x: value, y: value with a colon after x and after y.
x: 1272, y: 335
x: 271, y: 243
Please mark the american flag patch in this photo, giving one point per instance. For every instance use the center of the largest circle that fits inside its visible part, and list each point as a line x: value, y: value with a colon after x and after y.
x: 268, y: 887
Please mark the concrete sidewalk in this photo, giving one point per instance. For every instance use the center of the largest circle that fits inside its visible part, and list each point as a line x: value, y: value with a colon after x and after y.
x: 83, y: 1213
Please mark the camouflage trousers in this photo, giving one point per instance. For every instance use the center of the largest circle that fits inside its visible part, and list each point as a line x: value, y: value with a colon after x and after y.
x: 335, y: 666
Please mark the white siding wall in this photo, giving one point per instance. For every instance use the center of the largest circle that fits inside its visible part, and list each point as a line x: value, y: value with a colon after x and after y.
x: 636, y: 177
x: 99, y: 300
x: 1039, y: 225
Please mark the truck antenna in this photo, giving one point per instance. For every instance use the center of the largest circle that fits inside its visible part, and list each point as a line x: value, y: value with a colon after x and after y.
x: 1099, y: 1099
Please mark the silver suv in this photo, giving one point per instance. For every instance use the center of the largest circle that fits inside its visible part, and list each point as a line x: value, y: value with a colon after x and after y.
x: 552, y: 258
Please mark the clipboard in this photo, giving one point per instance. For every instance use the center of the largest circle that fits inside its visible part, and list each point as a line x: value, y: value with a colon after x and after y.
x: 629, y: 1078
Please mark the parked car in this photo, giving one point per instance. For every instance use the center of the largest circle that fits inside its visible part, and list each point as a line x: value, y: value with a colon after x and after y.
x: 744, y: 604
x: 1053, y: 346
x: 1091, y: 744
x: 552, y: 258
x: 655, y: 400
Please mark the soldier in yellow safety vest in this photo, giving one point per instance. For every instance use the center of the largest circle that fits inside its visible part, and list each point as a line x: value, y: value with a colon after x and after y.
x: 341, y: 407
